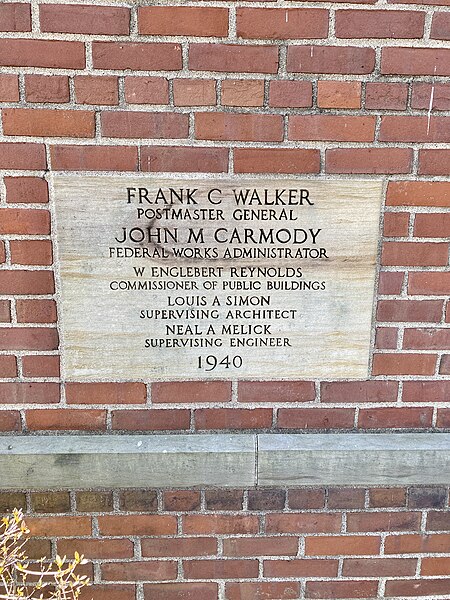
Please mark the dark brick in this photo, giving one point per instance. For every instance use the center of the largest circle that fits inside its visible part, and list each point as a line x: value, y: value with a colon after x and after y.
x: 11, y: 500
x: 427, y: 497
x: 94, y: 501
x: 50, y: 502
x: 300, y: 499
x: 346, y: 498
x: 139, y: 500
x: 224, y: 499
x: 266, y: 499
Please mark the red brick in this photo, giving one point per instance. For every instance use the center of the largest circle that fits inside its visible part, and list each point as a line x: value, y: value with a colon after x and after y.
x: 443, y: 415
x: 235, y: 418
x: 435, y: 566
x: 427, y: 339
x: 438, y: 521
x: 132, y: 124
x: 220, y: 569
x: 49, y: 123
x: 390, y: 283
x: 387, y: 497
x: 176, y: 591
x: 149, y: 570
x: 36, y: 311
x: 5, y: 311
x: 413, y: 544
x: 303, y: 523
x: 418, y: 587
x: 96, y: 548
x: 242, y: 92
x: 290, y: 94
x: 341, y: 589
x: 414, y: 254
x: 94, y: 158
x: 332, y: 128
x: 22, y: 155
x: 414, y: 129
x: 233, y: 58
x: 28, y: 338
x: 376, y: 418
x: 180, y: 591
x: 415, y: 61
x: 96, y: 90
x: 404, y: 364
x: 346, y: 498
x: 309, y: 567
x: 181, y: 500
x: 108, y: 592
x: 26, y: 189
x: 9, y: 87
x: 418, y: 193
x: 410, y: 310
x: 396, y: 224
x: 384, y: 521
x: 240, y: 127
x: 432, y: 225
x: 168, y: 547
x: 369, y: 160
x: 26, y: 282
x: 194, y: 92
x: 358, y: 545
x: 316, y: 418
x: 220, y: 524
x: 306, y: 498
x: 24, y: 222
x: 386, y: 338
x: 65, y: 419
x: 434, y: 162
x: 191, y: 391
x: 31, y: 252
x: 260, y: 546
x: 42, y: 53
x: 41, y: 88
x: 281, y: 24
x: 184, y: 159
x: 330, y: 59
x: 281, y: 590
x: 421, y: 96
x: 426, y: 2
x: 429, y: 283
x: 150, y: 420
x: 106, y: 393
x: 379, y: 24
x: 276, y: 391
x: 76, y: 18
x: 10, y: 419
x: 136, y: 56
x: 137, y: 525
x: 390, y: 96
x: 15, y: 16
x: 40, y: 366
x: 426, y: 391
x: 276, y: 160
x: 59, y: 526
x: 440, y: 27
x: 339, y: 94
x: 183, y: 20
x: 146, y: 90
x: 8, y: 366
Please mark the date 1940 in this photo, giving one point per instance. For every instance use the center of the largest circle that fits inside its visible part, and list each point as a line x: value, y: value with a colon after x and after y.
x: 211, y: 362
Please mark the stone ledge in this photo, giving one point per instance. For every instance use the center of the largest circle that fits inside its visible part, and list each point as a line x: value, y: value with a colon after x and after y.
x: 223, y: 460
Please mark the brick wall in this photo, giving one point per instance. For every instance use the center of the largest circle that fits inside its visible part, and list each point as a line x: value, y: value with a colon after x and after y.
x: 246, y: 545
x: 277, y: 87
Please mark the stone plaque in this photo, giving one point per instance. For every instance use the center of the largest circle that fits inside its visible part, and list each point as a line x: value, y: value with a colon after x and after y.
x: 185, y: 278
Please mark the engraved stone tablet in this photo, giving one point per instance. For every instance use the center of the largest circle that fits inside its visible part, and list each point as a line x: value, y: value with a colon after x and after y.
x: 184, y: 278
